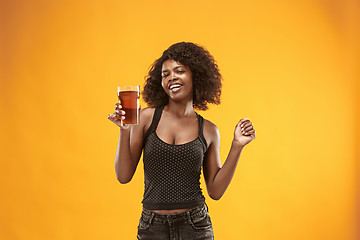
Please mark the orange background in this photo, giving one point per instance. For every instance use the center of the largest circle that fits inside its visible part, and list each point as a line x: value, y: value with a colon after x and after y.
x: 290, y: 66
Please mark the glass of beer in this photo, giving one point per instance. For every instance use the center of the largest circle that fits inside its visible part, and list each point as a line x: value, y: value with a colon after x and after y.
x: 129, y: 100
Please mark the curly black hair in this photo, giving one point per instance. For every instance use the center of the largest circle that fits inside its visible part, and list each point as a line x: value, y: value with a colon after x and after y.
x: 206, y: 76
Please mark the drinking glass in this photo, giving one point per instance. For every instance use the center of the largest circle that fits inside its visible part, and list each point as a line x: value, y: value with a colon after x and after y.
x: 129, y: 100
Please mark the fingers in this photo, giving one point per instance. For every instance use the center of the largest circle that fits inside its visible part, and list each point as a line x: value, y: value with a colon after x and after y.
x: 118, y: 106
x: 115, y: 118
x: 243, y: 123
x: 246, y: 127
x: 251, y: 132
x: 120, y: 113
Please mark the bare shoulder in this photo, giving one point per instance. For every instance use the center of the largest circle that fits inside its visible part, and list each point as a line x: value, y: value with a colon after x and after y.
x: 211, y: 132
x: 146, y: 116
x: 209, y: 126
x: 147, y: 112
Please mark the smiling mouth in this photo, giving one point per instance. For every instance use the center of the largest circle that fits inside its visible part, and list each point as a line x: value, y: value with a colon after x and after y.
x: 175, y: 86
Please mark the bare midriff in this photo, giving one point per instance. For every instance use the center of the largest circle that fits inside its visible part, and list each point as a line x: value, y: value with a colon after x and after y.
x: 167, y: 212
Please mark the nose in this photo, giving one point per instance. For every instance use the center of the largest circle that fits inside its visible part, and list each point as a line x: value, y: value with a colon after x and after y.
x: 173, y: 76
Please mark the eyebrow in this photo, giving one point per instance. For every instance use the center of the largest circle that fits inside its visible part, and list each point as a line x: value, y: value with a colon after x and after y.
x: 174, y: 68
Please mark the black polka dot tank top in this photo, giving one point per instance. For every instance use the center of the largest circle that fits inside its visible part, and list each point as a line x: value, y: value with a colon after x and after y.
x: 172, y: 172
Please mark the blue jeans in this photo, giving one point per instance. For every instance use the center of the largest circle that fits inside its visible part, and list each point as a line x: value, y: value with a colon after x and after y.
x: 194, y: 224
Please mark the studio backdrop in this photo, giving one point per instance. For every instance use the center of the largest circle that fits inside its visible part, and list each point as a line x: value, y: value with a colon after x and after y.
x: 291, y: 67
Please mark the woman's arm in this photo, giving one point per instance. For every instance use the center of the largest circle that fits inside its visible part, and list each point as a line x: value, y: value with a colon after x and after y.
x: 130, y: 144
x: 218, y: 177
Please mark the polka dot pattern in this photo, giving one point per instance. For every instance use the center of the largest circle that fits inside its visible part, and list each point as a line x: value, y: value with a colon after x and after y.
x: 172, y: 173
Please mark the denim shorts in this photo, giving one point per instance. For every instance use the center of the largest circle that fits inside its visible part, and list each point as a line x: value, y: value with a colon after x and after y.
x: 194, y: 224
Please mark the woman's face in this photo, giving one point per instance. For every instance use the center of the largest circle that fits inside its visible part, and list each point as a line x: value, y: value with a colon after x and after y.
x: 177, y: 80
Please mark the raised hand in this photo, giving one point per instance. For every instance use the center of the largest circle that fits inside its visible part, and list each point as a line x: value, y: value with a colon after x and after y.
x: 118, y: 116
x: 244, y: 132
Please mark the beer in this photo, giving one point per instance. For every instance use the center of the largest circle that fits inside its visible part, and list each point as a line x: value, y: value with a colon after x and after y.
x: 129, y: 100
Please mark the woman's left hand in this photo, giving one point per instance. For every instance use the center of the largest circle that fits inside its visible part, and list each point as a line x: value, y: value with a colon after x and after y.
x: 244, y: 132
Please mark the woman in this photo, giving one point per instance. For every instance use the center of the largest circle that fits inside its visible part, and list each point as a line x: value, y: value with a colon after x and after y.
x: 176, y: 142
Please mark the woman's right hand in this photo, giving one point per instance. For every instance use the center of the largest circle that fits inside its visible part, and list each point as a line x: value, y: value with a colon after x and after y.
x: 118, y: 116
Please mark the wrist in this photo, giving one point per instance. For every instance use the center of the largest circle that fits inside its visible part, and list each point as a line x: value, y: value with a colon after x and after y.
x: 124, y: 130
x: 237, y: 144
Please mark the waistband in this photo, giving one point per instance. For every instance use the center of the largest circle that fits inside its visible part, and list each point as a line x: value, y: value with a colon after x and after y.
x: 151, y: 205
x: 191, y: 212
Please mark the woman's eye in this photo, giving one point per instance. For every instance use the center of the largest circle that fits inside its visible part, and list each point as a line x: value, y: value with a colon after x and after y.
x: 181, y: 71
x: 165, y: 75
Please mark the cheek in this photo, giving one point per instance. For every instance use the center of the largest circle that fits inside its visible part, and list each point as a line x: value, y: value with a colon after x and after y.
x: 163, y: 85
x: 191, y: 82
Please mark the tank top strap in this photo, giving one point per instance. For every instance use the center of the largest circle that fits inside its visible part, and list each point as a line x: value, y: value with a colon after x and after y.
x: 201, y: 129
x: 155, y: 121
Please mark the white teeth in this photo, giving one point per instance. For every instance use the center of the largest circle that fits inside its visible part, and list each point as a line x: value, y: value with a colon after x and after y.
x: 174, y: 86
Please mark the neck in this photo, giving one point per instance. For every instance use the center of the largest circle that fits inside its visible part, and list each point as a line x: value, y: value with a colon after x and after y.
x: 180, y: 109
